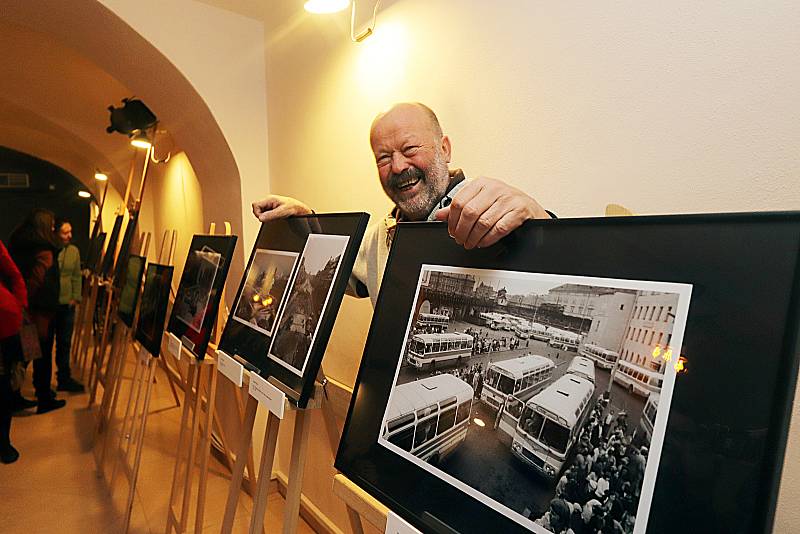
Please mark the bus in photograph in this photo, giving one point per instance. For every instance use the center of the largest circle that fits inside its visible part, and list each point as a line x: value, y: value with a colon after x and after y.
x: 522, y: 331
x: 561, y: 339
x: 603, y: 358
x: 583, y: 367
x: 433, y: 322
x: 518, y: 377
x: 539, y: 332
x: 550, y: 424
x: 648, y: 419
x: 429, y: 418
x: 436, y: 350
x: 637, y: 379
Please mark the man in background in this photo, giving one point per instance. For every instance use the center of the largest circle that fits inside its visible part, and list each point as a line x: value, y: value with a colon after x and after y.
x: 69, y: 263
x: 412, y: 156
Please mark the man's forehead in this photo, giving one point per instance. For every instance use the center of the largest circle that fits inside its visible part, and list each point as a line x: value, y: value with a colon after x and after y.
x: 401, y: 123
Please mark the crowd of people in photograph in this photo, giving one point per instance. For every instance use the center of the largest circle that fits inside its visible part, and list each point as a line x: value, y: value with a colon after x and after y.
x: 599, y: 492
x: 483, y: 344
x: 40, y: 285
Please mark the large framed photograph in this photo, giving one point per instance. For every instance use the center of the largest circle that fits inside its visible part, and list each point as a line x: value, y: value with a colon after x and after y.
x: 153, y: 309
x: 129, y: 294
x: 200, y: 289
x: 95, y: 252
x: 568, y: 378
x: 289, y: 297
x: 111, y: 249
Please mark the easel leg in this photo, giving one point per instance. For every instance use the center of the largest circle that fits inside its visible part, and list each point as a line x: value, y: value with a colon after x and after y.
x: 196, y: 398
x: 205, y: 447
x: 242, y: 453
x: 180, y: 452
x: 112, y: 409
x: 264, y: 474
x: 302, y: 426
x: 129, y: 420
x: 100, y: 352
x: 355, y: 521
x: 151, y: 368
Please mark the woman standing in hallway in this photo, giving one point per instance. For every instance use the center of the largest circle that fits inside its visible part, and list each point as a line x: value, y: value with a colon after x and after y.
x: 33, y: 247
x: 69, y: 268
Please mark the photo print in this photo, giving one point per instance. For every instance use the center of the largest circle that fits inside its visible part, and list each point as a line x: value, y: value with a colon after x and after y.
x: 264, y: 287
x: 543, y: 396
x: 306, y: 300
x: 129, y: 295
x: 197, y: 281
x: 153, y: 309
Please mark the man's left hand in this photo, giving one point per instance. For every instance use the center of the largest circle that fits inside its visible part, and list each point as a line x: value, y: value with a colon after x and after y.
x: 485, y: 210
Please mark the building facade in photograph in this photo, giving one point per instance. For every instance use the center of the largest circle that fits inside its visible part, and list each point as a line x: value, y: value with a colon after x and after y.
x: 650, y: 325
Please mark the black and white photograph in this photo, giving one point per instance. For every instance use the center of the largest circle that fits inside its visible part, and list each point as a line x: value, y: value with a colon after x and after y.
x: 197, y: 281
x: 543, y: 396
x: 265, y: 285
x: 306, y: 299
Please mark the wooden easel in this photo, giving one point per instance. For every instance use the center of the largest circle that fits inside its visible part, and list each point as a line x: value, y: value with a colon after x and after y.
x: 195, y: 437
x: 113, y: 378
x: 359, y: 504
x: 134, y: 423
x: 302, y: 426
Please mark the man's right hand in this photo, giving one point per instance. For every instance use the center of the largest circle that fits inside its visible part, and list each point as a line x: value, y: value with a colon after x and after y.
x: 278, y: 207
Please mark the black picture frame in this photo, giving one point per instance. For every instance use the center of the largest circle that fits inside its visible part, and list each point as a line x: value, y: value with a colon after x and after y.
x: 283, y: 245
x: 129, y: 292
x: 111, y: 249
x: 95, y: 252
x: 121, y: 262
x: 730, y: 411
x: 153, y: 307
x: 200, y: 290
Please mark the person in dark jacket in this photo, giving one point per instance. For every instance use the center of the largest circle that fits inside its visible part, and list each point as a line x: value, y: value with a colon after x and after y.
x: 33, y: 247
x: 13, y: 299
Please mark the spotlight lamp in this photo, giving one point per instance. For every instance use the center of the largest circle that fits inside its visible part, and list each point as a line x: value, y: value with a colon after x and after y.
x: 139, y: 139
x: 334, y: 6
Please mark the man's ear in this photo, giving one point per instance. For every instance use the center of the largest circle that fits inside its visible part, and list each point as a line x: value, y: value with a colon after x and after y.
x: 446, y: 149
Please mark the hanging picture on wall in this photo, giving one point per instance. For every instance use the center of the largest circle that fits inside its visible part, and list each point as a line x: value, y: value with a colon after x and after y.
x: 129, y: 294
x: 561, y: 378
x: 153, y: 309
x: 111, y: 249
x: 264, y: 286
x: 200, y: 289
x: 299, y: 267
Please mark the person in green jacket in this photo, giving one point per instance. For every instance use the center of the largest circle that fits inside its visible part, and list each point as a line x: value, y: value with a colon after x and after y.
x: 69, y: 263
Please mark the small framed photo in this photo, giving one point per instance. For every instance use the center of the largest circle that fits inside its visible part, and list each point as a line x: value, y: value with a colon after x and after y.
x: 583, y: 375
x: 199, y: 291
x: 290, y: 294
x: 153, y: 308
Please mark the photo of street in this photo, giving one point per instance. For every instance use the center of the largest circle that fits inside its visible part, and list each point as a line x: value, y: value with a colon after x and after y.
x: 536, y: 394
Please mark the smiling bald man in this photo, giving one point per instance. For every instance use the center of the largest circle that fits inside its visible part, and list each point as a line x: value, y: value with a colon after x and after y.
x: 413, y: 155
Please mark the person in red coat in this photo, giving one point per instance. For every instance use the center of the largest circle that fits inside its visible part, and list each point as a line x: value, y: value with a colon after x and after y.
x: 13, y: 299
x: 33, y: 247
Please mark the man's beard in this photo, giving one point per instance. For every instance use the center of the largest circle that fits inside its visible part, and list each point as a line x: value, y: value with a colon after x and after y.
x: 433, y: 183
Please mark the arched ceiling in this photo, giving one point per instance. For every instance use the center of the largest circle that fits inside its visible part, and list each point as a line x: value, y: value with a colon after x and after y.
x: 54, y: 106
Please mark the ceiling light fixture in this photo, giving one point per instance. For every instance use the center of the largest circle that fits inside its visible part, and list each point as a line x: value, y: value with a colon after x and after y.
x: 84, y: 194
x: 334, y: 6
x: 100, y: 176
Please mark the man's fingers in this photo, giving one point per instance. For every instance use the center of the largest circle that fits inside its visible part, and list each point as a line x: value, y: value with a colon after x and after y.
x: 487, y: 220
x: 480, y: 212
x: 442, y: 214
x: 461, y: 199
x: 504, y: 226
x: 279, y: 212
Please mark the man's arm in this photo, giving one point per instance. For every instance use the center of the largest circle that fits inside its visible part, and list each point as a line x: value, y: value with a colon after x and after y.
x: 76, y: 276
x: 278, y: 207
x: 486, y: 210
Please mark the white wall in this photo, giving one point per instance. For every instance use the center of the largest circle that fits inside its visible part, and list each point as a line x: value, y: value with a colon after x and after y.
x: 222, y: 55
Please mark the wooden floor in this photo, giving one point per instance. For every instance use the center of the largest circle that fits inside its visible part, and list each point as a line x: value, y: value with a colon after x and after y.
x: 55, y: 487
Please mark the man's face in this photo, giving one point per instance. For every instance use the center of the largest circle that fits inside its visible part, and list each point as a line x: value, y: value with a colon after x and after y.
x: 65, y: 233
x: 412, y: 160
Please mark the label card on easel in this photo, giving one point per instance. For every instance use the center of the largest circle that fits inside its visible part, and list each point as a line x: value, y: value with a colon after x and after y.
x: 265, y: 393
x: 174, y: 345
x: 229, y: 367
x: 397, y: 525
